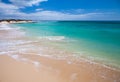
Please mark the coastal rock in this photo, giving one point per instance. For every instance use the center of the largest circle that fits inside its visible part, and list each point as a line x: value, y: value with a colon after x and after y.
x: 7, y: 21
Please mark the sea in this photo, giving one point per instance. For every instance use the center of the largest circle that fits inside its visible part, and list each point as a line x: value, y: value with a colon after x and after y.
x: 98, y: 41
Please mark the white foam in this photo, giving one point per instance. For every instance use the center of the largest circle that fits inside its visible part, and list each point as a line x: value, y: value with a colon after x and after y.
x: 6, y: 52
x: 13, y: 32
x: 16, y: 57
x: 37, y: 64
x: 91, y: 61
x: 53, y: 38
x: 5, y: 27
x: 2, y: 53
x: 14, y: 43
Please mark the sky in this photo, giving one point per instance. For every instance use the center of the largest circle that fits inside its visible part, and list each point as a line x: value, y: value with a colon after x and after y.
x: 60, y: 9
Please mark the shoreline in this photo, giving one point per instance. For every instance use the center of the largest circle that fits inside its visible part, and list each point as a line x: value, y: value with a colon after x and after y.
x: 88, y: 71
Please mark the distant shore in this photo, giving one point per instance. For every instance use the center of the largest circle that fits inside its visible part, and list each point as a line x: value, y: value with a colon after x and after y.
x: 10, y: 21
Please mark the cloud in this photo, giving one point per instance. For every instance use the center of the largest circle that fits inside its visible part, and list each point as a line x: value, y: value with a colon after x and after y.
x: 55, y: 15
x: 14, y: 11
x: 24, y: 3
x: 7, y: 8
x: 39, y: 9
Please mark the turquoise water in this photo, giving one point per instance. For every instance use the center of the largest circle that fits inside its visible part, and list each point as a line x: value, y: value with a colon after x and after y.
x: 96, y: 39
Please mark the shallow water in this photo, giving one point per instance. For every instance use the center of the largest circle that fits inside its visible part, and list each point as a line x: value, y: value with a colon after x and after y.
x: 97, y: 40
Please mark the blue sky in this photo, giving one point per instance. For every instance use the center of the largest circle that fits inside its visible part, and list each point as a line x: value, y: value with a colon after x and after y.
x: 60, y: 9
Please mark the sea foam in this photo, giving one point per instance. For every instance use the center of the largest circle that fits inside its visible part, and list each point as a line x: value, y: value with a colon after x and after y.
x: 53, y: 38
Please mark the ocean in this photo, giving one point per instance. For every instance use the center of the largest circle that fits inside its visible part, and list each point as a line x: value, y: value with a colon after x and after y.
x: 98, y: 41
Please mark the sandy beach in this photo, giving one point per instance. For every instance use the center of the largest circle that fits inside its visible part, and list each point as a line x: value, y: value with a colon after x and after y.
x: 24, y: 59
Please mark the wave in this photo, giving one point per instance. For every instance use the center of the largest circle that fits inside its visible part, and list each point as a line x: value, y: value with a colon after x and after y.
x: 53, y: 38
x: 9, y: 27
x: 9, y: 31
x: 5, y: 27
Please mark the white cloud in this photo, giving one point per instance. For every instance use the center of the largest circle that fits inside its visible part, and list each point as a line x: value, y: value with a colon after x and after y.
x: 24, y: 3
x: 54, y: 15
x: 13, y: 11
x: 39, y: 9
x: 7, y: 8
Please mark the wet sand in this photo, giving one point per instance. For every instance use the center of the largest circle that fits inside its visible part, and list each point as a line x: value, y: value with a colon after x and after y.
x: 23, y: 59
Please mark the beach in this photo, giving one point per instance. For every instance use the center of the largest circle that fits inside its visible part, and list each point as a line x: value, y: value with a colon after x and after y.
x: 30, y: 59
